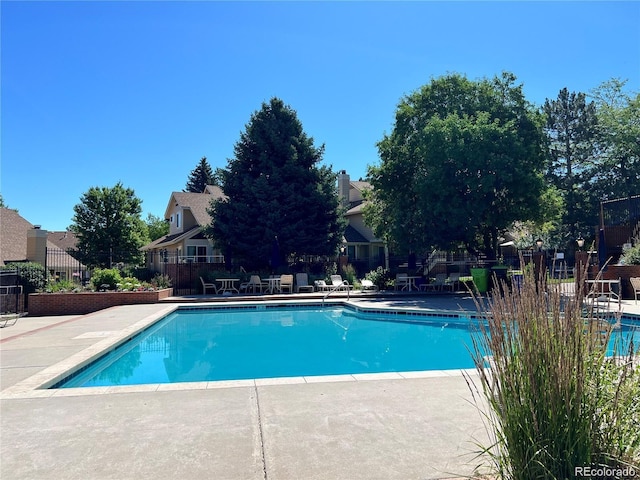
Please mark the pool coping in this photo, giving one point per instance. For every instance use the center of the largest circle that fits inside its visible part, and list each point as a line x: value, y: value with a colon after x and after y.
x: 39, y: 385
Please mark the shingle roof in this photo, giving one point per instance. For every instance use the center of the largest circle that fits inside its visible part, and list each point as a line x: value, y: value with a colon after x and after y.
x: 351, y: 235
x: 197, y: 202
x: 63, y: 240
x: 169, y: 240
x: 13, y: 236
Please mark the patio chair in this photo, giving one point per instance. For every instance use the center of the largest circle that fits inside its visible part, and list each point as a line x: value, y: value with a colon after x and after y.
x: 286, y: 283
x: 438, y: 284
x: 206, y: 285
x: 302, y: 283
x: 368, y: 285
x: 321, y: 286
x: 254, y: 284
x: 402, y: 281
x: 453, y: 281
x: 337, y: 281
x: 635, y: 286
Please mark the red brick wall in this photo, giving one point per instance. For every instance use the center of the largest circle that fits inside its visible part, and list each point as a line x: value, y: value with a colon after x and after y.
x: 86, y: 302
x: 623, y: 272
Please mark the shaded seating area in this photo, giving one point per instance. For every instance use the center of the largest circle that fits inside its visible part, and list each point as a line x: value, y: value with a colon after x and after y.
x: 286, y: 283
x: 402, y: 281
x: 368, y: 286
x: 302, y: 283
x: 322, y: 286
x: 635, y: 286
x: 206, y: 286
x: 254, y: 285
x: 339, y: 284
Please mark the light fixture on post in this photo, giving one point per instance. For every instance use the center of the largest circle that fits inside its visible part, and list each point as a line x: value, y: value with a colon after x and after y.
x: 580, y: 241
x: 539, y: 243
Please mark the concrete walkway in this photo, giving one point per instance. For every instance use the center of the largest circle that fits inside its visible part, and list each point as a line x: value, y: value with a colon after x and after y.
x: 387, y: 426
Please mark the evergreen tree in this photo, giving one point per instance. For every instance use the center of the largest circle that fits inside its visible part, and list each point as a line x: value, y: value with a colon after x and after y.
x: 109, y: 228
x: 571, y: 130
x: 200, y: 177
x: 277, y: 195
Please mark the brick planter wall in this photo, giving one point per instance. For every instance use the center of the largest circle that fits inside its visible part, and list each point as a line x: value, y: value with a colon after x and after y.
x: 86, y: 302
x: 623, y: 272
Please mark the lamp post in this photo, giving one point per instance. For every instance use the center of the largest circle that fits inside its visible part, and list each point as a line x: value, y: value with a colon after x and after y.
x: 539, y: 243
x: 582, y: 262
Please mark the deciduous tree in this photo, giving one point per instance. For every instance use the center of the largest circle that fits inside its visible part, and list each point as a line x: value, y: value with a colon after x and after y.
x: 109, y: 228
x: 464, y: 160
x: 276, y: 190
x: 618, y: 112
x: 156, y: 227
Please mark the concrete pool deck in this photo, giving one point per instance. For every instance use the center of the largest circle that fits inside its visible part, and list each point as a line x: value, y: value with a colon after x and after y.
x: 387, y: 426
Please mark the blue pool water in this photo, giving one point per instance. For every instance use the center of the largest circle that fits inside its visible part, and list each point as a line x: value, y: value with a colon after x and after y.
x: 204, y: 345
x: 198, y: 345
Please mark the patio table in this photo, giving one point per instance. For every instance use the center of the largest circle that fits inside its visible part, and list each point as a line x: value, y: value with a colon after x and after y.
x: 228, y: 284
x: 274, y: 284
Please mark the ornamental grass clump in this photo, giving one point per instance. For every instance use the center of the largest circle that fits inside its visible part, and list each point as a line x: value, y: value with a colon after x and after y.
x: 552, y: 396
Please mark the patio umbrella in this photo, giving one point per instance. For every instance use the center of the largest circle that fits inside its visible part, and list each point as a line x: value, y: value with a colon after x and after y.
x: 412, y: 261
x: 602, y: 249
x: 275, y: 254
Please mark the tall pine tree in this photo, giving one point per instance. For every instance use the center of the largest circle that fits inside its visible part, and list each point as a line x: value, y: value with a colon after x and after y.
x: 200, y: 177
x: 571, y: 130
x: 277, y: 194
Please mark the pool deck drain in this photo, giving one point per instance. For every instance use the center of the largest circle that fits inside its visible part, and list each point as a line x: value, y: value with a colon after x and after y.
x: 337, y: 428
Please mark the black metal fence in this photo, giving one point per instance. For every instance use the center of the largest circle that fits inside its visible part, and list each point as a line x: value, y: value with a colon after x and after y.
x: 64, y: 265
x: 11, y: 296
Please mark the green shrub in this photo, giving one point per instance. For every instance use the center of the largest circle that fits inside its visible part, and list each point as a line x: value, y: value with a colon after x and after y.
x: 61, y: 286
x: 105, y: 278
x: 129, y: 284
x: 160, y: 281
x: 32, y: 276
x: 349, y: 274
x: 380, y: 277
x: 631, y: 256
x: 553, y: 400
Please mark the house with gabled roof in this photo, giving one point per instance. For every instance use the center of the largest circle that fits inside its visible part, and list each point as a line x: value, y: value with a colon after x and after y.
x: 186, y: 214
x: 21, y: 241
x: 362, y: 248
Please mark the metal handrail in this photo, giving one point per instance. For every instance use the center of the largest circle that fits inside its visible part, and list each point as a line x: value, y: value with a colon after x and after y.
x: 336, y: 288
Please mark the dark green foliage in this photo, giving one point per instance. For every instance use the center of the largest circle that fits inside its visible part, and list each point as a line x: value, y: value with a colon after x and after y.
x: 278, y: 196
x: 109, y: 228
x: 631, y: 256
x: 381, y: 277
x: 571, y: 127
x: 618, y: 172
x: 200, y: 177
x: 32, y: 276
x: 463, y: 161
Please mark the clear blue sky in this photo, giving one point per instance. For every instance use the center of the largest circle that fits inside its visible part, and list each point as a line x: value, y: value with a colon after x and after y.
x: 99, y: 92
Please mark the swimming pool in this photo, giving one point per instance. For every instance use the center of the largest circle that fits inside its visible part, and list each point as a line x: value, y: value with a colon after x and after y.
x: 255, y: 341
x: 264, y: 341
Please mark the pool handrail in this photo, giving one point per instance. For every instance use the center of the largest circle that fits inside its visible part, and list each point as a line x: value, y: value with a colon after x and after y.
x: 336, y: 288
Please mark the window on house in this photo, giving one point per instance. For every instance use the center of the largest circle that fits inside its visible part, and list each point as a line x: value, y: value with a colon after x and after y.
x: 177, y: 220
